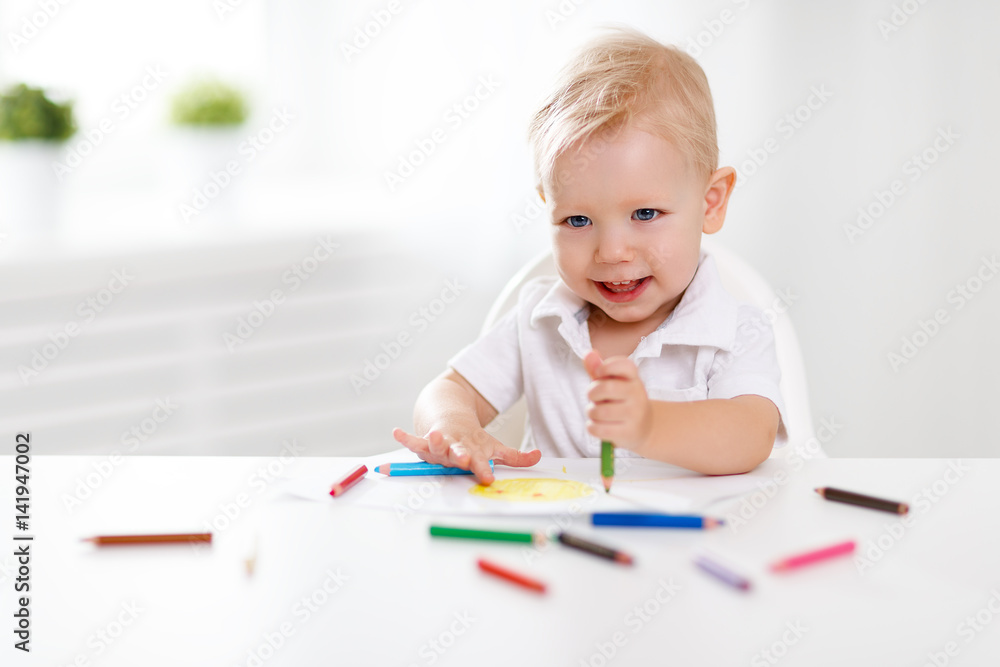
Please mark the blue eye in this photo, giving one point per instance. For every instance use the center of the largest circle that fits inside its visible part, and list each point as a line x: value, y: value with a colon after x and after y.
x: 578, y: 221
x: 644, y: 214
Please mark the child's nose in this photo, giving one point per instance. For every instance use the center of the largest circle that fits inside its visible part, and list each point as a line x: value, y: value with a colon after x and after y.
x: 614, y: 246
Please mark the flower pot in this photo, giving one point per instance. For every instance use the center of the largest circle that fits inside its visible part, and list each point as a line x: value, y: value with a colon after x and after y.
x: 29, y: 188
x: 206, y: 174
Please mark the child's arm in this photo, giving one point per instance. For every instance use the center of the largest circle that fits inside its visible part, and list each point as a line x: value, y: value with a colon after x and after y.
x: 451, y: 414
x: 714, y: 436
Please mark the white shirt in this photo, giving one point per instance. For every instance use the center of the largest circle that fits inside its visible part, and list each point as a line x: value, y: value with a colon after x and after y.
x: 710, y: 346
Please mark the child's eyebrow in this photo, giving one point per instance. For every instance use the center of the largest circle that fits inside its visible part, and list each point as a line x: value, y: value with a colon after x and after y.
x: 559, y: 215
x: 658, y: 202
x: 655, y: 199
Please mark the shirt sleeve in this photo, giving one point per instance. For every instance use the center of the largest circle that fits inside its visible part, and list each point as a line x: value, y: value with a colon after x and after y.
x: 492, y: 364
x: 751, y: 367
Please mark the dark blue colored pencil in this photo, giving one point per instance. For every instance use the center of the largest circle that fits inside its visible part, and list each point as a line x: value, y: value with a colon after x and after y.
x: 653, y: 520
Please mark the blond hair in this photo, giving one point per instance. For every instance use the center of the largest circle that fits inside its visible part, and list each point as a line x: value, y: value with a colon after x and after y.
x: 621, y: 78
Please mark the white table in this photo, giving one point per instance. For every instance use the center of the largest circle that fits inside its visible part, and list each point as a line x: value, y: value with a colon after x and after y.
x: 342, y: 585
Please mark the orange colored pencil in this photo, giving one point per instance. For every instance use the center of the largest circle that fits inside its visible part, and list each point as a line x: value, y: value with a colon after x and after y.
x: 111, y: 540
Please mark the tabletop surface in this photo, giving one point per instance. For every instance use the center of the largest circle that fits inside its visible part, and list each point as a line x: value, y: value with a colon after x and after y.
x: 335, y: 583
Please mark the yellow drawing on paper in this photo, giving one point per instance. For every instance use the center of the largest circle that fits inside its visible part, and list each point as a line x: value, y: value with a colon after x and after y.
x: 533, y: 490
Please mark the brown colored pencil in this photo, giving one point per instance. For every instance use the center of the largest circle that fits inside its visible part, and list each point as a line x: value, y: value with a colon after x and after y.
x: 851, y: 498
x: 594, y: 548
x: 111, y: 540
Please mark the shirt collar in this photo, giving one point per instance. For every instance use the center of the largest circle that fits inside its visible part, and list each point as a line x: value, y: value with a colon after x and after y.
x: 705, y: 316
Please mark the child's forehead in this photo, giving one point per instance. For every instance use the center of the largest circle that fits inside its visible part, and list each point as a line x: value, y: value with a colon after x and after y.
x: 632, y: 146
x: 632, y: 164
x: 570, y: 196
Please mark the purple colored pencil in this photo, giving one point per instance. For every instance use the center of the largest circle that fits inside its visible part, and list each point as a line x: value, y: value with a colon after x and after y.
x: 722, y: 572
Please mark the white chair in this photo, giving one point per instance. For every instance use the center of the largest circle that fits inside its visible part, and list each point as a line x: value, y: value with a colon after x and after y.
x: 743, y: 282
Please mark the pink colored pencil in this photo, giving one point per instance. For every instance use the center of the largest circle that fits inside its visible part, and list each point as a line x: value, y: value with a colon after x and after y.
x: 810, y: 557
x: 353, y: 478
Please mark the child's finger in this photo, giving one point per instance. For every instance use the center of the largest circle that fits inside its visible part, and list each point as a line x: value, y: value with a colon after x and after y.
x: 618, y: 367
x: 436, y: 445
x: 515, y: 458
x: 458, y: 456
x: 592, y: 362
x: 606, y: 431
x: 410, y: 441
x: 602, y: 391
x: 615, y: 389
x: 480, y: 467
x: 607, y: 413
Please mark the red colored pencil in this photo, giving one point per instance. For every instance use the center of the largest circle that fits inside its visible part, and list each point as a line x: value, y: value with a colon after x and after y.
x: 353, y: 478
x: 107, y: 540
x: 511, y: 576
x: 810, y: 557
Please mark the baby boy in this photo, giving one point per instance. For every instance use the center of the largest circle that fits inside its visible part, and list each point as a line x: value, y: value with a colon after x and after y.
x: 635, y: 342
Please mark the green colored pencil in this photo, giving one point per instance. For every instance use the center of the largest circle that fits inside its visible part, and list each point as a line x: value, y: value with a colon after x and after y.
x: 607, y: 464
x: 475, y: 534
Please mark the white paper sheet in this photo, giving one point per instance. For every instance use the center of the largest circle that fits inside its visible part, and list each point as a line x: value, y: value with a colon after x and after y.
x: 639, y: 484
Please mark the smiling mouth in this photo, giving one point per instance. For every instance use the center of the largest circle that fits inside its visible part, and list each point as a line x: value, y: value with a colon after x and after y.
x: 623, y: 286
x: 623, y: 291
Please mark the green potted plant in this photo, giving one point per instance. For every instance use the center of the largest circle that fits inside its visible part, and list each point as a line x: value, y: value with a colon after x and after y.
x: 207, y: 116
x: 28, y: 113
x: 208, y: 103
x: 33, y: 130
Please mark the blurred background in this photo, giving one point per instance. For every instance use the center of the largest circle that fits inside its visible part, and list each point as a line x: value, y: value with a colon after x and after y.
x: 239, y: 226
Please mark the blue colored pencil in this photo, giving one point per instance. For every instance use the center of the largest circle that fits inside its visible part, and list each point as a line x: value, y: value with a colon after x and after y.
x: 420, y: 468
x: 652, y: 520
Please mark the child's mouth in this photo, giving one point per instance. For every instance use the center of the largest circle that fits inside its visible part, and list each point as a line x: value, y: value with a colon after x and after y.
x: 623, y: 291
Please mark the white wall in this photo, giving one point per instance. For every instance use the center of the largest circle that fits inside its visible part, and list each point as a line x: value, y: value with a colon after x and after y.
x: 356, y: 115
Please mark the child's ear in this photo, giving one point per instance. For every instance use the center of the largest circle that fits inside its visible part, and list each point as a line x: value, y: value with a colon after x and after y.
x: 720, y: 186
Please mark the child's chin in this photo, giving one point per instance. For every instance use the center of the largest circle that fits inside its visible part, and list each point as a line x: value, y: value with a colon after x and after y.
x: 598, y: 314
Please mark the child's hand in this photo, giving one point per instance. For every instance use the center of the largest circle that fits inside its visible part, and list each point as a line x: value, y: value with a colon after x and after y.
x: 468, y: 449
x: 619, y: 409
